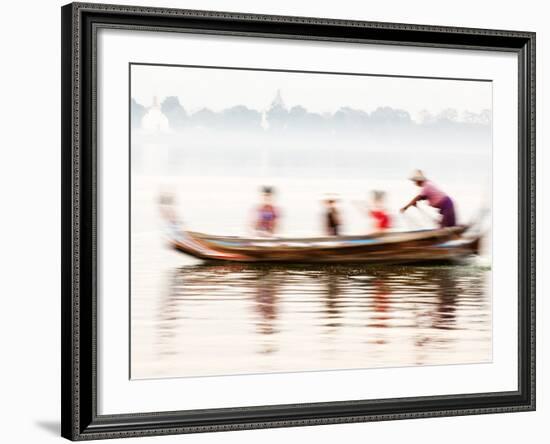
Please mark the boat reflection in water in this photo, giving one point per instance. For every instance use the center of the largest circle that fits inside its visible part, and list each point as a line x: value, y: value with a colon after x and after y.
x: 252, y: 318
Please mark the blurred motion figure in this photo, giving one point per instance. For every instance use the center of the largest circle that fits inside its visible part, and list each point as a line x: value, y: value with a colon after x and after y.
x: 332, y: 217
x: 166, y: 203
x: 435, y: 197
x: 376, y: 211
x: 267, y: 214
x: 172, y: 223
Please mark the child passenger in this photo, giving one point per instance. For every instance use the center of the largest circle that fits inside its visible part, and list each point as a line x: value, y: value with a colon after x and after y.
x: 332, y: 218
x: 378, y: 212
x: 266, y: 219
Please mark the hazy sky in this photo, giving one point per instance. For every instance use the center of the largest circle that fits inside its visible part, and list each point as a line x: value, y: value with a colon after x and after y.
x: 222, y: 88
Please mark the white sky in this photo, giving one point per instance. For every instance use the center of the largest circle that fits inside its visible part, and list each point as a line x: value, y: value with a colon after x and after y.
x: 218, y: 89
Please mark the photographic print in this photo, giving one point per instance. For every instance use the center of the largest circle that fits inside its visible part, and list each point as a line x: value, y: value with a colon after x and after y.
x: 290, y: 221
x: 274, y: 221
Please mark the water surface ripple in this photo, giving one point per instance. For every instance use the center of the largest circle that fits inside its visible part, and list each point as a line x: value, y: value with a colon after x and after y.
x: 240, y: 318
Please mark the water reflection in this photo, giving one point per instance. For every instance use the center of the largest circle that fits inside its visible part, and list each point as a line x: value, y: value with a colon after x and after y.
x: 240, y: 318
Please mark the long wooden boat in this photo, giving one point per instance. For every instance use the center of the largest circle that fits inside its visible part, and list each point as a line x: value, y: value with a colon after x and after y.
x: 387, y: 247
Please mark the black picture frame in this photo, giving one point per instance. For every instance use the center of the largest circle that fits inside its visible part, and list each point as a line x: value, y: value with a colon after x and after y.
x: 80, y: 419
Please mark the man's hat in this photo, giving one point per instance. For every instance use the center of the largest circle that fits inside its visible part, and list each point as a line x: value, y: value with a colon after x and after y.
x: 418, y: 176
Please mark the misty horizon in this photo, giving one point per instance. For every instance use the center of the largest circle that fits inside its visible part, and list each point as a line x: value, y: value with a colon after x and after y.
x: 171, y: 114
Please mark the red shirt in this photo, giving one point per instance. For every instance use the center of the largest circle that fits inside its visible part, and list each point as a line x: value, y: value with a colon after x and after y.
x: 381, y: 219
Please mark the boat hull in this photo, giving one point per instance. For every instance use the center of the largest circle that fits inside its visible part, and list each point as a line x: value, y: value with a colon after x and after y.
x: 403, y: 247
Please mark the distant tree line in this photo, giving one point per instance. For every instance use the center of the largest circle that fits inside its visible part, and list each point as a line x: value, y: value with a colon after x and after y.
x: 297, y: 118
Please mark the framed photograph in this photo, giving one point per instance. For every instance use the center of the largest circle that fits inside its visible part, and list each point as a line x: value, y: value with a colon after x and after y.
x: 280, y: 221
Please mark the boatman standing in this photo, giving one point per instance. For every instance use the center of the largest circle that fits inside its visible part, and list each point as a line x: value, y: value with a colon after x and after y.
x: 435, y: 197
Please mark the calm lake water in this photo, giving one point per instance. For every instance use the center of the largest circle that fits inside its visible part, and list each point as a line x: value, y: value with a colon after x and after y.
x: 198, y: 320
